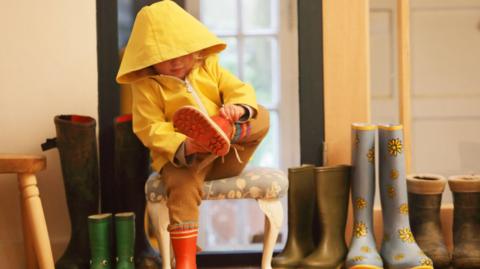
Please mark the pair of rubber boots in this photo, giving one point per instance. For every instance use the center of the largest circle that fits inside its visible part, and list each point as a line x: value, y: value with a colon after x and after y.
x: 317, y: 214
x: 399, y: 249
x: 212, y: 134
x: 76, y: 141
x: 101, y: 240
x: 425, y: 198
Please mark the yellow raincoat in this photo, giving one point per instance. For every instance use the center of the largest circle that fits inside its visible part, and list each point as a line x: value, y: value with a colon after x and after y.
x: 163, y: 31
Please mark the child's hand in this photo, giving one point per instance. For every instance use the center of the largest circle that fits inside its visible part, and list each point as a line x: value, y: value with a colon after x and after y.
x: 232, y: 112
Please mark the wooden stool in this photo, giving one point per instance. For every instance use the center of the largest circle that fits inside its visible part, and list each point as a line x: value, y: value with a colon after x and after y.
x: 37, y: 244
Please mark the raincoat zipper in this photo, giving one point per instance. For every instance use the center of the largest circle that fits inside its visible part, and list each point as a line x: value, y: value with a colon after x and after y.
x: 194, y: 93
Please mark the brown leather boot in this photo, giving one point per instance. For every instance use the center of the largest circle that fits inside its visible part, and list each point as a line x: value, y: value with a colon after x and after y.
x: 332, y: 186
x: 466, y: 221
x: 424, y: 199
x: 184, y: 243
x: 300, y: 217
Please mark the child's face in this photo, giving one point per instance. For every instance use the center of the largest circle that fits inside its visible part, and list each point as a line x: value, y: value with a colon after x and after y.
x: 178, y: 67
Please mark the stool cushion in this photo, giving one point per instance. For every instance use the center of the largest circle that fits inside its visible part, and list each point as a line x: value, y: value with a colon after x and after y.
x: 256, y: 183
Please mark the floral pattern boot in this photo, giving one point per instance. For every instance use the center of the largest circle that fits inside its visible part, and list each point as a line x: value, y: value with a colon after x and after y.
x: 363, y: 253
x: 399, y: 249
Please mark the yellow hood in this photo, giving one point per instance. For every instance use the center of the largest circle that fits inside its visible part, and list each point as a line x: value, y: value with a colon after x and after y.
x: 163, y: 31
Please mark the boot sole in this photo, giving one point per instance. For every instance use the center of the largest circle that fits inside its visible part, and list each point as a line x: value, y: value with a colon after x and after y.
x: 198, y: 126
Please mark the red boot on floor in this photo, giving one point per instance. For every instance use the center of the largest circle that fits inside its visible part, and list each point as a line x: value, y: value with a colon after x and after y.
x: 184, y: 243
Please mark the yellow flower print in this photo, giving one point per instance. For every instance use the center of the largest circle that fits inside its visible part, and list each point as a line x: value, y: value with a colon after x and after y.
x: 360, y: 203
x: 358, y: 258
x: 404, y: 209
x: 426, y: 261
x: 399, y: 257
x: 406, y: 235
x: 395, y: 146
x: 391, y: 192
x: 371, y: 155
x: 394, y: 174
x: 360, y: 229
x: 365, y: 249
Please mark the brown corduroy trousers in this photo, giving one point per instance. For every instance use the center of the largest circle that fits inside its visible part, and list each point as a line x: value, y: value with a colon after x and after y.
x: 184, y: 185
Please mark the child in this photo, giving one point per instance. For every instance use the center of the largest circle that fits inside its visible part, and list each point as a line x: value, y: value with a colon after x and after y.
x: 187, y: 110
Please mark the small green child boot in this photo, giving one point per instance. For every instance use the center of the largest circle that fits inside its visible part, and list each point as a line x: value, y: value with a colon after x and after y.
x: 125, y: 240
x: 99, y: 232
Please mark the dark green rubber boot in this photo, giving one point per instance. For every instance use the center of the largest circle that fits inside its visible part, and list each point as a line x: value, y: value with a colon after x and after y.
x: 424, y: 200
x: 125, y: 240
x: 131, y: 171
x: 100, y: 235
x: 301, y: 202
x: 77, y: 145
x: 332, y: 185
x: 466, y: 221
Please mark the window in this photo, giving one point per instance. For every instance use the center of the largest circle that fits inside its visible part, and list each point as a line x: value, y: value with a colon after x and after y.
x: 262, y: 50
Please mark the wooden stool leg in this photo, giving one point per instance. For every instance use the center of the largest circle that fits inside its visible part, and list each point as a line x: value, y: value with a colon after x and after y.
x: 158, y: 213
x: 36, y: 220
x: 31, y: 259
x: 273, y: 210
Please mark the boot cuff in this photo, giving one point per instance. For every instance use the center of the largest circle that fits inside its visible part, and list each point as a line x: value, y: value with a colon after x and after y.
x: 464, y: 183
x: 426, y: 183
x: 363, y: 126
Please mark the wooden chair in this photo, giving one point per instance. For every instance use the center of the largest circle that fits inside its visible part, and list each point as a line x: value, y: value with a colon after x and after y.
x: 37, y: 243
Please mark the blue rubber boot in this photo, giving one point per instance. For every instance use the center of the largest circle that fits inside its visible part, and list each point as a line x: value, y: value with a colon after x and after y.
x: 399, y: 249
x: 363, y: 253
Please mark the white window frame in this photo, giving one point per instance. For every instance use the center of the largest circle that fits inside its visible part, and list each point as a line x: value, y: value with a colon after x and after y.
x: 287, y: 104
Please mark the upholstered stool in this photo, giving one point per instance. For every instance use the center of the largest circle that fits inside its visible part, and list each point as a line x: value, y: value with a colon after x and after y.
x: 265, y: 185
x: 37, y: 244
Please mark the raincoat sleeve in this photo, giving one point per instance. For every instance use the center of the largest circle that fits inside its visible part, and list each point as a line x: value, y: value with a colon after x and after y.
x: 149, y: 122
x: 233, y: 90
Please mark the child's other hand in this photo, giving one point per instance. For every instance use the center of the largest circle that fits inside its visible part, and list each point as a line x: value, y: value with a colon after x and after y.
x: 232, y: 112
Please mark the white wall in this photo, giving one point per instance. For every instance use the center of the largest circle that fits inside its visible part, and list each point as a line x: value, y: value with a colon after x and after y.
x: 48, y: 66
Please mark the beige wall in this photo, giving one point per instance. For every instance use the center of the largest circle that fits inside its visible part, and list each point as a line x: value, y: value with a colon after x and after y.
x: 47, y: 67
x: 346, y: 74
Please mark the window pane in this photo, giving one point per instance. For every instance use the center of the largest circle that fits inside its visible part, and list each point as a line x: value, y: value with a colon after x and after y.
x: 257, y: 15
x: 219, y: 16
x: 229, y: 57
x: 268, y: 151
x: 233, y: 225
x: 258, y: 68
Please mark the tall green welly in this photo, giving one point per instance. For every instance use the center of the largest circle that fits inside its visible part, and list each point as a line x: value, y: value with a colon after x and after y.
x: 131, y: 172
x: 77, y: 145
x: 332, y: 185
x: 301, y: 201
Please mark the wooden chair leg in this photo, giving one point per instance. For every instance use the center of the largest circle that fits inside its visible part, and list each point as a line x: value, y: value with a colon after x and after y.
x: 273, y: 222
x: 158, y: 213
x: 36, y: 220
x: 31, y: 258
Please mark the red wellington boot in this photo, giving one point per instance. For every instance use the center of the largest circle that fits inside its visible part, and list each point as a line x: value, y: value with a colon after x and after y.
x: 184, y: 243
x: 204, y: 130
